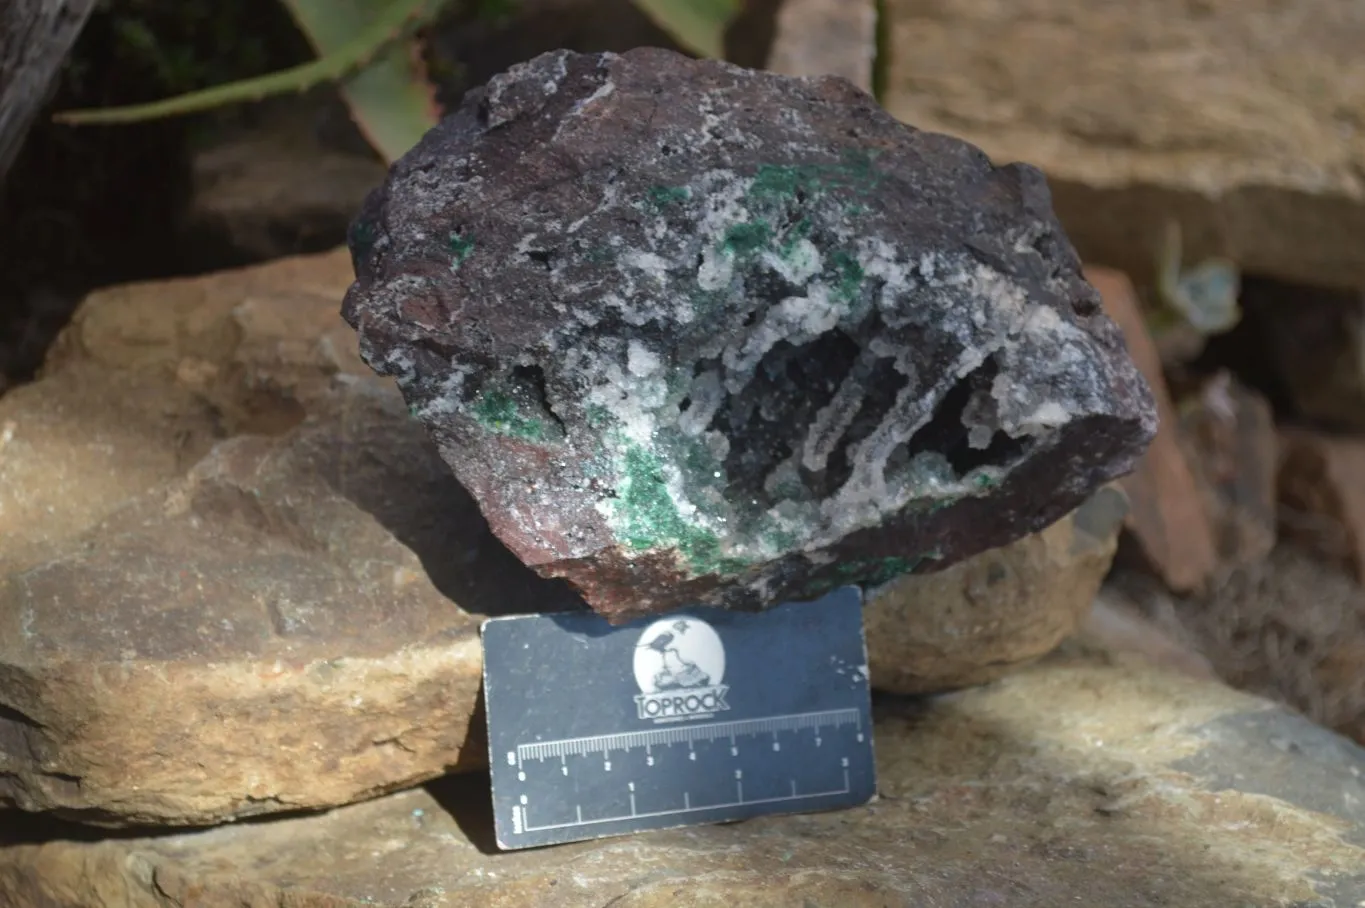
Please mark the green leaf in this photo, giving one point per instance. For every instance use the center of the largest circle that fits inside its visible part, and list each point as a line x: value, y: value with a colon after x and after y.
x: 387, y: 95
x: 390, y: 99
x: 698, y: 25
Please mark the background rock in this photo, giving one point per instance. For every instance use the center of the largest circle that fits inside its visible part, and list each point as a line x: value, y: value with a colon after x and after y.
x: 230, y: 563
x: 1322, y: 488
x: 1167, y: 518
x: 1228, y: 433
x: 1089, y: 778
x: 1288, y: 627
x: 1313, y: 343
x: 986, y: 616
x: 826, y: 37
x: 282, y: 185
x: 1116, y: 625
x: 1240, y: 120
x: 734, y: 358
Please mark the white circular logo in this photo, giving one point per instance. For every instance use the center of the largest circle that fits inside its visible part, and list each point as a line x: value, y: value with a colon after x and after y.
x: 678, y: 653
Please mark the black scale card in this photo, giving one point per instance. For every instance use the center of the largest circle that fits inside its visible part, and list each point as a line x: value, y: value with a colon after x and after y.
x: 700, y: 716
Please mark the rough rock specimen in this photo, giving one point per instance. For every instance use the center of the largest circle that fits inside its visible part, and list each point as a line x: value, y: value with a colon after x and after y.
x: 1167, y: 517
x: 1243, y: 120
x: 1081, y: 781
x: 691, y: 333
x: 235, y: 577
x: 989, y: 615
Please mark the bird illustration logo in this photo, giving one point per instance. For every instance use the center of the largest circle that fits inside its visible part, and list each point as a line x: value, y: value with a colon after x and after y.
x: 682, y: 672
x: 678, y: 654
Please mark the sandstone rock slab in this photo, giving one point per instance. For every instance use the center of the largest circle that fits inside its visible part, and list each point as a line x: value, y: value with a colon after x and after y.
x: 1087, y: 779
x: 993, y: 613
x: 1241, y: 121
x: 235, y: 576
x: 148, y: 376
x: 682, y: 349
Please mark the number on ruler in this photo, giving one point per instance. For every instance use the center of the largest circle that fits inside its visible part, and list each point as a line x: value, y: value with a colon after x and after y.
x: 734, y: 751
x: 511, y: 758
x: 843, y: 761
x: 606, y: 765
x: 649, y: 761
x: 817, y: 740
x: 692, y: 755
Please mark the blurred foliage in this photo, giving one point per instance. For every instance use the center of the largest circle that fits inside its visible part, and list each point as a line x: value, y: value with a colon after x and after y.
x: 388, y: 94
x: 881, y: 56
x: 183, y: 46
x: 698, y: 25
x: 1203, y: 295
x: 369, y: 47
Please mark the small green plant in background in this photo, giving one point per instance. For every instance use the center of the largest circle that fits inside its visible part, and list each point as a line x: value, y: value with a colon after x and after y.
x: 371, y: 49
x: 1203, y: 295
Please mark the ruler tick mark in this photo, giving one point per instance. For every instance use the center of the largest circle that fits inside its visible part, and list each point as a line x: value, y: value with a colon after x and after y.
x: 689, y: 809
x: 709, y: 732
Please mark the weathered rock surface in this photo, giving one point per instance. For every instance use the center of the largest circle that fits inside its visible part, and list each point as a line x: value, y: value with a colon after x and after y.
x: 1167, y: 518
x: 1242, y: 120
x: 230, y: 563
x: 681, y: 349
x: 985, y: 617
x: 1090, y: 780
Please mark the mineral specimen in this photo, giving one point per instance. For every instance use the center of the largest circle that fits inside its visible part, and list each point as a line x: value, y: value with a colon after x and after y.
x: 691, y: 333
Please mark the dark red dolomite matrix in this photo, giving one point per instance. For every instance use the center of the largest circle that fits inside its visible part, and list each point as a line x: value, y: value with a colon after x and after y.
x: 691, y: 333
